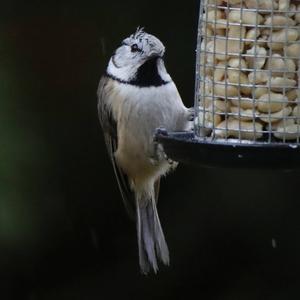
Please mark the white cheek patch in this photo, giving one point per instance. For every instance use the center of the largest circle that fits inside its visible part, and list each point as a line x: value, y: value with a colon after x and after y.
x: 124, y: 63
x: 125, y: 56
x: 123, y: 71
x: 122, y: 57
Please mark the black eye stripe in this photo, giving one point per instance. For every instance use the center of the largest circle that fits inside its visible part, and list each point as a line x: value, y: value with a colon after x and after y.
x: 135, y: 48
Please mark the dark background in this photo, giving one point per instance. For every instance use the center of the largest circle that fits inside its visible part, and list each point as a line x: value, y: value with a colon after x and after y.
x: 64, y: 233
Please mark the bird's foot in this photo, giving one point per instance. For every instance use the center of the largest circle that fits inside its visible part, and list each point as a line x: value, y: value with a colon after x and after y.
x: 168, y: 159
x: 191, y: 114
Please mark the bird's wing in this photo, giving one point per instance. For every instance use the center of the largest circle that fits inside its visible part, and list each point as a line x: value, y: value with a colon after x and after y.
x: 156, y: 189
x: 109, y: 126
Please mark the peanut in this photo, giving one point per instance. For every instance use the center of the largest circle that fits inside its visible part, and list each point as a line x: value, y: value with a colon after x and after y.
x: 239, y: 129
x: 271, y: 102
x: 277, y: 116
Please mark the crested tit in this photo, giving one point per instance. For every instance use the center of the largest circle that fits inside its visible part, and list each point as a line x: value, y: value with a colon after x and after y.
x: 136, y: 95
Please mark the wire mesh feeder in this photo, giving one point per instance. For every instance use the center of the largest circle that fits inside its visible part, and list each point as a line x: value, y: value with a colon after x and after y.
x: 247, y: 97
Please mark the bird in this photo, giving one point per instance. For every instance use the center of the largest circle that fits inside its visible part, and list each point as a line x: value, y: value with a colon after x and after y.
x: 136, y: 95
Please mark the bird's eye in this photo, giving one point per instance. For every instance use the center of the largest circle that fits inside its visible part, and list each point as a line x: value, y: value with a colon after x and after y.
x: 135, y: 48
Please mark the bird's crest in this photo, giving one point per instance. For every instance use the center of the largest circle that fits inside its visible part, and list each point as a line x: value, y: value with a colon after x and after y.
x: 139, y: 33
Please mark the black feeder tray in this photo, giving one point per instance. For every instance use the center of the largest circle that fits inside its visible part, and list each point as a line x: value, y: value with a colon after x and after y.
x: 186, y: 147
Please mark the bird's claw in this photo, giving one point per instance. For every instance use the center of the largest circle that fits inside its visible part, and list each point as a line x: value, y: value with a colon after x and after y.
x: 191, y: 114
x: 161, y: 131
x: 169, y: 160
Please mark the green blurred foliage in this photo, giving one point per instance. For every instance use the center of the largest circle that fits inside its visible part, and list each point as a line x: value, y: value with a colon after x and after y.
x: 25, y: 162
x: 17, y: 153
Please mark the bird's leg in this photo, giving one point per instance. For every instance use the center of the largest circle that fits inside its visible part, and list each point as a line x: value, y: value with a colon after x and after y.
x: 158, y: 150
x: 190, y: 119
x: 160, y: 155
x: 191, y: 114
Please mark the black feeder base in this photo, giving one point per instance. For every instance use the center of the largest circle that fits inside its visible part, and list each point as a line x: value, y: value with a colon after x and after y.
x: 187, y: 148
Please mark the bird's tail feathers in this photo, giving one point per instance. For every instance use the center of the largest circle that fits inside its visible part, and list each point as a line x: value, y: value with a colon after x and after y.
x: 151, y: 241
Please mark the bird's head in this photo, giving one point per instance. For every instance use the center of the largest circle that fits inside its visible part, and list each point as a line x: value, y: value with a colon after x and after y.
x: 138, y: 50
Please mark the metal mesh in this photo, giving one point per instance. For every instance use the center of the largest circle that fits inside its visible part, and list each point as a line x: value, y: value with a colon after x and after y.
x: 247, y: 83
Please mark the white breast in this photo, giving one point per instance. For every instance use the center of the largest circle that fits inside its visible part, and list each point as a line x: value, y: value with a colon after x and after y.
x: 139, y: 111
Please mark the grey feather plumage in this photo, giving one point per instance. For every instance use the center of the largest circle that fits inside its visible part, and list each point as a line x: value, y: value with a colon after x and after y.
x: 135, y: 97
x: 109, y: 128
